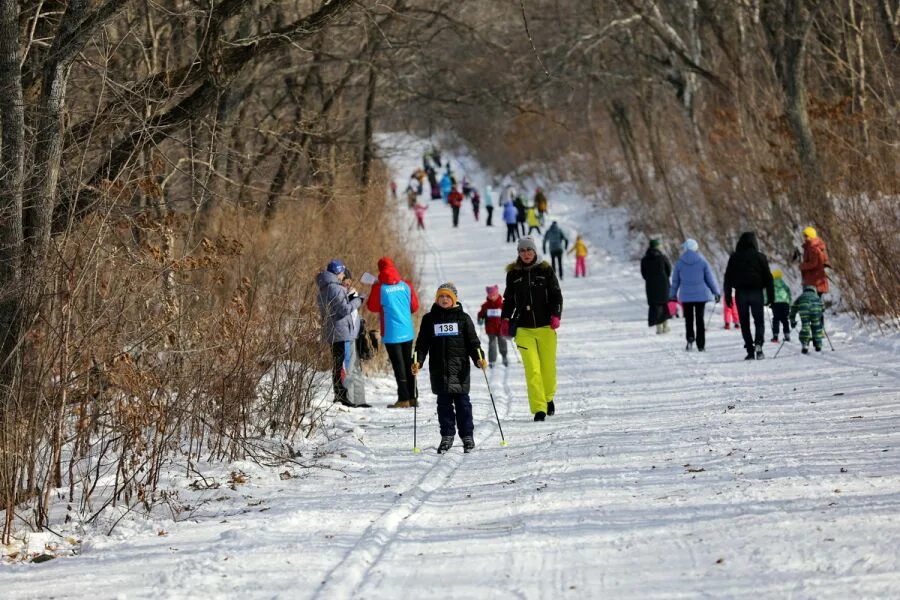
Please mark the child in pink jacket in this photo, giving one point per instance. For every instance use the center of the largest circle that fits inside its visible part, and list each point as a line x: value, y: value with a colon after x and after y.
x: 731, y: 315
x: 420, y: 209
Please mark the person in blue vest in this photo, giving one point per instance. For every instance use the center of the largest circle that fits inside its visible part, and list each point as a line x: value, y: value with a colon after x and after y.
x: 446, y: 185
x: 394, y: 300
x: 694, y: 284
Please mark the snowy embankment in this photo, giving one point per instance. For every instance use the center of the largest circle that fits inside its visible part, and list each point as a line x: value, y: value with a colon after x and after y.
x: 664, y: 474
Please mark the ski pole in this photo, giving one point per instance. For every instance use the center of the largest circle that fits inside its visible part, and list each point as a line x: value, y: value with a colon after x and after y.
x: 709, y: 320
x: 416, y: 449
x: 779, y: 349
x: 491, y: 394
x: 828, y: 338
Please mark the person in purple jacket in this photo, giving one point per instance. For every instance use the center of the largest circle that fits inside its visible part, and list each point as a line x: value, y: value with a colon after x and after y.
x: 694, y: 284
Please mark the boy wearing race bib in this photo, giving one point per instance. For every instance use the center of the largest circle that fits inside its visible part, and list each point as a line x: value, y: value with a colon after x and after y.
x: 489, y: 317
x: 449, y: 335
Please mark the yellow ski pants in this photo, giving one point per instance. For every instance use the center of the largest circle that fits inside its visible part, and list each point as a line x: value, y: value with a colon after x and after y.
x: 538, y: 349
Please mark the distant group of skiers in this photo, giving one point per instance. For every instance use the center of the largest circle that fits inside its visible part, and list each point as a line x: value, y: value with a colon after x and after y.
x: 748, y: 285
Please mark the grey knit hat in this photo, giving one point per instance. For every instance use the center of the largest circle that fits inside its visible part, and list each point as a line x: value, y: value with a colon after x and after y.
x: 448, y: 288
x: 527, y: 243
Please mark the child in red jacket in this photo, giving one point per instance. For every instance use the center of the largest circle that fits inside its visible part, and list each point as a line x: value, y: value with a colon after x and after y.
x: 489, y: 317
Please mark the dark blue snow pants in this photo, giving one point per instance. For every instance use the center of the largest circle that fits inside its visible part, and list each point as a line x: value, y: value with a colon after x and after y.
x: 459, y: 419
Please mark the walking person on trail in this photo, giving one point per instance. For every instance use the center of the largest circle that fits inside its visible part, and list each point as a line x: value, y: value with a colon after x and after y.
x: 540, y: 204
x: 336, y: 307
x: 394, y: 300
x: 449, y: 335
x: 556, y: 239
x: 532, y: 220
x: 748, y: 273
x: 694, y: 284
x: 521, y: 213
x: 446, y: 185
x: 809, y: 306
x: 476, y: 203
x: 730, y: 314
x: 419, y: 210
x: 781, y: 307
x: 455, y: 199
x: 489, y: 317
x: 581, y: 252
x: 510, y: 217
x: 814, y: 262
x: 532, y: 308
x: 656, y: 270
x: 489, y: 206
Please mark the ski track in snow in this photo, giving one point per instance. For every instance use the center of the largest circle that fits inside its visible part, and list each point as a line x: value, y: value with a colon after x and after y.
x: 664, y: 473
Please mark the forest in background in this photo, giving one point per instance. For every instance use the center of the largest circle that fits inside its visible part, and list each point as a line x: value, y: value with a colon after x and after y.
x: 173, y: 174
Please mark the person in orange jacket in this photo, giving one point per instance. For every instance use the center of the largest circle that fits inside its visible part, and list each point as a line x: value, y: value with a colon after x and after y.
x: 814, y: 262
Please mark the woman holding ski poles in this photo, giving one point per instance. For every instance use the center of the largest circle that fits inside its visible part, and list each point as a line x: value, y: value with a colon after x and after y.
x: 694, y: 284
x: 532, y: 308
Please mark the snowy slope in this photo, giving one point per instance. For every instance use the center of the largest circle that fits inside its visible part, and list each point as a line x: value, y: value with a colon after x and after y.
x: 664, y: 474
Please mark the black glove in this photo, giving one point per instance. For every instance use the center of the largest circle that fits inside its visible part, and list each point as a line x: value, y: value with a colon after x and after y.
x: 717, y: 298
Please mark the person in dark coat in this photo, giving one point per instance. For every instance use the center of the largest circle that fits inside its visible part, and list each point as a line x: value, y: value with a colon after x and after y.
x: 449, y: 335
x: 656, y: 270
x: 558, y: 242
x: 749, y: 274
x: 532, y: 309
x: 521, y: 213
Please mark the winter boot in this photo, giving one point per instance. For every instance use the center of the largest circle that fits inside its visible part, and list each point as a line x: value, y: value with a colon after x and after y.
x: 659, y: 329
x: 774, y: 339
x: 727, y: 325
x: 751, y: 355
x: 690, y: 345
x: 551, y: 409
x: 665, y: 325
x: 468, y: 443
x: 759, y: 352
x: 818, y: 348
x: 446, y: 443
x: 539, y: 415
x: 804, y: 349
x: 400, y: 404
x: 787, y: 337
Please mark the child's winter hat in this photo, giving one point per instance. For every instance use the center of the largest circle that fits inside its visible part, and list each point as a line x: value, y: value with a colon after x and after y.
x: 449, y: 289
x: 492, y: 289
x: 810, y: 288
x: 691, y: 244
x: 777, y: 274
x: 527, y: 243
x: 336, y: 266
x: 810, y: 233
x: 654, y: 243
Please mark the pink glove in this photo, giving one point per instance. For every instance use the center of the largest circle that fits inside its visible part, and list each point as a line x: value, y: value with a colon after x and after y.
x: 504, y: 327
x: 554, y: 322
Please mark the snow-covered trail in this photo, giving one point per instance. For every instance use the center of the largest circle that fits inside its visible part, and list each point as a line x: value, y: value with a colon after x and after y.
x: 664, y: 474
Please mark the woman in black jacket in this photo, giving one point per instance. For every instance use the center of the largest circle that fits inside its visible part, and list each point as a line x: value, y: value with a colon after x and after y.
x: 656, y: 270
x: 532, y: 308
x: 749, y: 274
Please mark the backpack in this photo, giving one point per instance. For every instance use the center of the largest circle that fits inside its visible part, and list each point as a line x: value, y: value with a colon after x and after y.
x: 366, y: 342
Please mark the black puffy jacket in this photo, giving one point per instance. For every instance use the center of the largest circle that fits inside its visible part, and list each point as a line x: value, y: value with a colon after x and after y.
x: 449, y: 335
x: 532, y: 294
x: 748, y: 268
x: 656, y: 270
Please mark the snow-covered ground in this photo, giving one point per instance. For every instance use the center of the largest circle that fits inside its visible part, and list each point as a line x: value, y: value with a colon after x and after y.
x: 664, y: 474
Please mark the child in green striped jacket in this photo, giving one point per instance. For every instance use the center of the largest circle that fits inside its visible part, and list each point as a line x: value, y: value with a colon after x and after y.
x: 809, y: 306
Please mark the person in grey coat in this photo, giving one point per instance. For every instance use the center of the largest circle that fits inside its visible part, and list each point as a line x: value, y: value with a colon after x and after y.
x: 336, y: 306
x: 354, y: 379
x: 556, y: 239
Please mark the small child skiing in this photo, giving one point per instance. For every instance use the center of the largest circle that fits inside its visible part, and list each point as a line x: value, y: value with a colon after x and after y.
x: 781, y: 307
x: 674, y: 307
x: 809, y: 306
x: 730, y: 314
x: 420, y: 209
x: 448, y: 333
x: 581, y: 252
x: 489, y: 316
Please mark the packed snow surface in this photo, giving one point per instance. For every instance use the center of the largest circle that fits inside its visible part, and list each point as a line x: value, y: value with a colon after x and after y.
x: 664, y: 474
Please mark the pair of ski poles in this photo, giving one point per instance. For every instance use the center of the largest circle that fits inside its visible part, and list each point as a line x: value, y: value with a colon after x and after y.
x: 416, y: 449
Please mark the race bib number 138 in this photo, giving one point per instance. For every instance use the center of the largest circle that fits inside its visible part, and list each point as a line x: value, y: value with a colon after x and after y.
x: 446, y: 329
